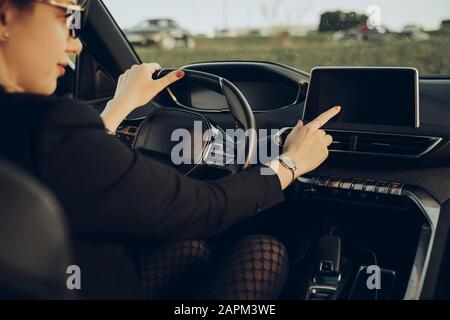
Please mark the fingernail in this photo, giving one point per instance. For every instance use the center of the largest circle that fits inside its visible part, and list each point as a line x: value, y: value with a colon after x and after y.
x: 338, y: 108
x: 180, y: 74
x: 299, y: 122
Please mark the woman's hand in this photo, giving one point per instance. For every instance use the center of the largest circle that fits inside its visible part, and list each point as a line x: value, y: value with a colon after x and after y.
x: 135, y: 88
x: 306, y: 145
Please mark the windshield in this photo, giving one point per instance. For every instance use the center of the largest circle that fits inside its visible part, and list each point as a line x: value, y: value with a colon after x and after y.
x: 299, y: 33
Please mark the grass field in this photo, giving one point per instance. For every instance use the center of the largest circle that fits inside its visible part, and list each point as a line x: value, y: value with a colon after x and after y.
x: 430, y: 57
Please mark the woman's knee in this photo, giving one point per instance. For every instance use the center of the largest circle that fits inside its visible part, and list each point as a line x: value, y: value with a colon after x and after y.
x: 267, y: 257
x: 257, y: 267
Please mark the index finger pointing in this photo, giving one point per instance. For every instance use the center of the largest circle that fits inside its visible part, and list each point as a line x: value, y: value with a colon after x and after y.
x: 322, y: 119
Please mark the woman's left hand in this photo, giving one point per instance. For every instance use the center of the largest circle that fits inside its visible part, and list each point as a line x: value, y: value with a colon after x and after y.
x: 135, y: 88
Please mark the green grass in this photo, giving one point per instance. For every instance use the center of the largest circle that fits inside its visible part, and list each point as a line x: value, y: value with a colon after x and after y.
x: 430, y: 57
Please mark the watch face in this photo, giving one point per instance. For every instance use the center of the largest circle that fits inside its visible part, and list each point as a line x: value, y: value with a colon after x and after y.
x: 288, y: 162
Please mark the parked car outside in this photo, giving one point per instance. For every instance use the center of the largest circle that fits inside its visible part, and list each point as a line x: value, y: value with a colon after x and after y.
x: 164, y: 33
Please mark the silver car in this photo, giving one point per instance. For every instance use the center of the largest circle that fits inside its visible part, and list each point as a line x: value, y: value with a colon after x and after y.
x: 164, y: 33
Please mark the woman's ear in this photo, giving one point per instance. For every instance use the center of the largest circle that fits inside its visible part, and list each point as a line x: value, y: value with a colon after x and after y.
x: 2, y: 15
x: 3, y: 12
x: 7, y: 14
x: 4, y: 34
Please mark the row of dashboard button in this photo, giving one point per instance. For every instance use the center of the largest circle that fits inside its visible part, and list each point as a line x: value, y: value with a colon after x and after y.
x: 356, y: 184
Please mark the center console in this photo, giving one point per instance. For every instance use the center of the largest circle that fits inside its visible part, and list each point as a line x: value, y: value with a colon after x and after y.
x: 391, y: 221
x: 348, y: 187
x: 385, y: 225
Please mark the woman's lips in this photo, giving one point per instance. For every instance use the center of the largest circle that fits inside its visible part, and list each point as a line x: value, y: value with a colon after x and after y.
x: 62, y: 69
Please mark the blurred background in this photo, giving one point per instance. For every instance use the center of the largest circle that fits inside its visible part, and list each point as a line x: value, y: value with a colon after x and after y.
x: 299, y: 33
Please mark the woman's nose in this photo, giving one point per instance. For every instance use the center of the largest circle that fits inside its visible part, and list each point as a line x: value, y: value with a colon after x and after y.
x: 74, y: 46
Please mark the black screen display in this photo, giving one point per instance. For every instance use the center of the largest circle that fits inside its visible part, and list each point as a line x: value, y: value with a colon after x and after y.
x: 379, y: 96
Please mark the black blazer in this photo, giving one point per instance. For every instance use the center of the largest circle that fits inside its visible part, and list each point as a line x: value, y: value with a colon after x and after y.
x: 111, y: 192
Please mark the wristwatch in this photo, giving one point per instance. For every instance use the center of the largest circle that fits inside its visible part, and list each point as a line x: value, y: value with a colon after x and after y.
x: 288, y: 163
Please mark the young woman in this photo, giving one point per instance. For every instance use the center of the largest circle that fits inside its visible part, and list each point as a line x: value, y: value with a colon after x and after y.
x: 109, y: 192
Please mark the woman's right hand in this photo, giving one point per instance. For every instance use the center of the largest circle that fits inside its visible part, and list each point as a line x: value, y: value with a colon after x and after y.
x: 135, y: 88
x: 307, y: 145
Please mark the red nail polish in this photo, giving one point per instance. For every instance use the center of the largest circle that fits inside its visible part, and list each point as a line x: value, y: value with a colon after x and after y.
x: 180, y: 74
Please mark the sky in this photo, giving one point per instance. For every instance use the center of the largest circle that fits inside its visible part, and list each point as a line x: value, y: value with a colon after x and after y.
x: 204, y: 16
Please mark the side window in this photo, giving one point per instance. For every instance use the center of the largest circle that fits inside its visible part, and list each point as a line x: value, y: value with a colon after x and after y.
x: 164, y: 24
x: 144, y: 24
x: 173, y: 25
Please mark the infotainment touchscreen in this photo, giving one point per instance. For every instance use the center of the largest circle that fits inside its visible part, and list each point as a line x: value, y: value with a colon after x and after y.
x: 376, y: 96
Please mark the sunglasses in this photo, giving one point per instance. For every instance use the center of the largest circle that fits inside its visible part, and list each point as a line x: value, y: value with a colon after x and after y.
x: 74, y: 13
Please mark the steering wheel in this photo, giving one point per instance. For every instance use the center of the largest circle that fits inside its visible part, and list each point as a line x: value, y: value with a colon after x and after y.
x: 155, y: 133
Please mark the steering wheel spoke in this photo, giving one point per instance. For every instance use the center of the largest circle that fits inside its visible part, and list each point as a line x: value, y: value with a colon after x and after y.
x: 221, y: 150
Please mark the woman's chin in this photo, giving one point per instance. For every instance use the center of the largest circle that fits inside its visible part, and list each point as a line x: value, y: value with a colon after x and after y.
x: 47, y: 90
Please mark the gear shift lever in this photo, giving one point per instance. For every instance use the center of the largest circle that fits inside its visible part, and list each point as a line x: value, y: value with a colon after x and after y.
x: 328, y: 259
x: 327, y: 268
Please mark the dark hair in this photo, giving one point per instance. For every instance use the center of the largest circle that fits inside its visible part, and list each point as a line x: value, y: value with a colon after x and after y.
x: 21, y: 4
x: 27, y: 4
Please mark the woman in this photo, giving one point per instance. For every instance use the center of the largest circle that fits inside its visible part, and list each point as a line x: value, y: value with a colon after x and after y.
x: 99, y: 181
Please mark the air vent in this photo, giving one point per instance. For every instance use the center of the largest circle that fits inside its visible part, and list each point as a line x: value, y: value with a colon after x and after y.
x: 392, y: 145
x: 342, y: 141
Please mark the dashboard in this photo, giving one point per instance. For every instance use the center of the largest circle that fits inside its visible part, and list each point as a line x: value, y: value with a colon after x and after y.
x: 259, y: 94
x: 266, y: 86
x: 277, y: 93
x: 379, y: 166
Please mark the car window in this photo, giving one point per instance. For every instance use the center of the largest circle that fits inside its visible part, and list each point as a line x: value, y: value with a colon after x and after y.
x: 142, y: 25
x: 300, y: 33
x: 161, y: 23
